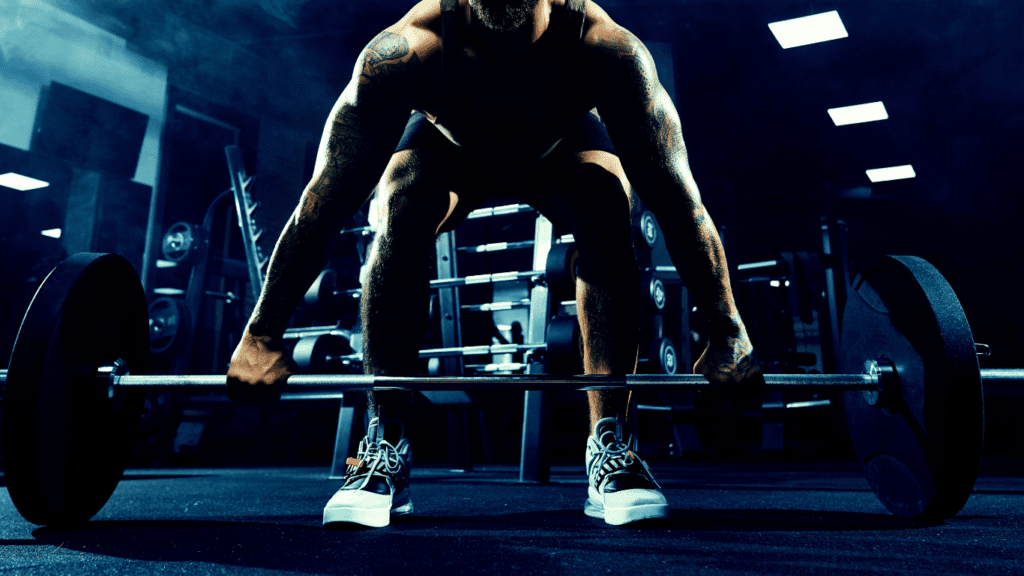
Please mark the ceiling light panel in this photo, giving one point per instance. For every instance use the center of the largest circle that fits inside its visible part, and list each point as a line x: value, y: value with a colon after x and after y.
x: 891, y: 173
x: 22, y: 183
x: 809, y: 29
x: 858, y: 114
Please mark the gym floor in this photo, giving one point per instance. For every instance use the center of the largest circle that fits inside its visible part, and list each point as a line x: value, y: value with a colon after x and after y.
x: 726, y: 519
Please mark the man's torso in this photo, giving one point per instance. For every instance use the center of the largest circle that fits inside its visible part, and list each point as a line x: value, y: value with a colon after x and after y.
x: 514, y: 107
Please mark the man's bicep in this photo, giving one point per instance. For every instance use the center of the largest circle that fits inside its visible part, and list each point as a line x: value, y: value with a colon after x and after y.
x: 641, y: 118
x: 367, y: 120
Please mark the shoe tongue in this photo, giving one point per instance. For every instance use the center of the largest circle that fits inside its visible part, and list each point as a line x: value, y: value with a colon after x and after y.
x: 607, y: 429
x: 375, y: 430
x: 387, y: 429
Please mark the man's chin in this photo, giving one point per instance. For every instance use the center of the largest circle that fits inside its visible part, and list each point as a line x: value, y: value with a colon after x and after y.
x: 506, y: 17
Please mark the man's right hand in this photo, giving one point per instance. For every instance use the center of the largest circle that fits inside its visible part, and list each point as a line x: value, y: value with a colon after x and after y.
x: 259, y: 369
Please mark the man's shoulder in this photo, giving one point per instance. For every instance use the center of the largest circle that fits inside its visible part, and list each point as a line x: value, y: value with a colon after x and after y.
x: 421, y: 28
x: 403, y: 52
x: 604, y: 37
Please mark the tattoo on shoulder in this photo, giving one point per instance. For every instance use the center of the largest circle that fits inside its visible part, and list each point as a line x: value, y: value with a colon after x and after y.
x: 621, y: 42
x: 387, y: 55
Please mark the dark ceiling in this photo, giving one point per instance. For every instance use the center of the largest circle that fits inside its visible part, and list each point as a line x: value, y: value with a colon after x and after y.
x: 951, y: 75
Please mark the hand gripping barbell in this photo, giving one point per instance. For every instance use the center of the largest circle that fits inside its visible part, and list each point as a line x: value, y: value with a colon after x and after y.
x: 74, y: 388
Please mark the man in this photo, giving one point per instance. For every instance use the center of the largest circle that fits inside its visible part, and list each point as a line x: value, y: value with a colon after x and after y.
x: 503, y: 93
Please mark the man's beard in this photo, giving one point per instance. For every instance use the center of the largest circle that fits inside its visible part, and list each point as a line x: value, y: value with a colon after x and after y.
x: 503, y: 15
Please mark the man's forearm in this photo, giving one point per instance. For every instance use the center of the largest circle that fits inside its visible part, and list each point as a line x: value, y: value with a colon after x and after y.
x: 698, y: 254
x: 305, y: 245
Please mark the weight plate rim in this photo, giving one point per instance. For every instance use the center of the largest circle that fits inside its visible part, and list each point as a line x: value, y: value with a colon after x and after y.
x: 960, y: 387
x: 30, y: 360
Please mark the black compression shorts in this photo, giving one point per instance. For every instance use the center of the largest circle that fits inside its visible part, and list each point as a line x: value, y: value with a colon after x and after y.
x: 588, y: 133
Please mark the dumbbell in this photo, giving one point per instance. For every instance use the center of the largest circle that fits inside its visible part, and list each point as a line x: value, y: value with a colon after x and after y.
x: 912, y: 383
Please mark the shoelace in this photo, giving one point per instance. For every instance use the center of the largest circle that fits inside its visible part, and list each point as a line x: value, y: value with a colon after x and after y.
x: 375, y: 457
x: 615, y: 456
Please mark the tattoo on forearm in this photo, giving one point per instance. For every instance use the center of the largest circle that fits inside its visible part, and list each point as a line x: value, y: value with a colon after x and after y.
x: 666, y: 127
x: 346, y: 141
x: 642, y: 115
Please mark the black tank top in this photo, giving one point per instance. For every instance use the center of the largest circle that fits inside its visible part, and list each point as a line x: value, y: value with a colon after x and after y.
x: 569, y: 20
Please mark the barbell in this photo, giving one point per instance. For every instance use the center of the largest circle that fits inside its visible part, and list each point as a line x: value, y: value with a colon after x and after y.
x: 73, y: 391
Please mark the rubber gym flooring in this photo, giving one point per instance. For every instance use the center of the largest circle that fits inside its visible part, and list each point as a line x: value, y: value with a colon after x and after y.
x: 726, y: 519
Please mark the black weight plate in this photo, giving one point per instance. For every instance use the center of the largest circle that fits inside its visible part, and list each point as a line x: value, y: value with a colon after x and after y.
x: 920, y: 456
x: 65, y: 443
x: 656, y: 288
x: 662, y: 358
x: 647, y: 230
x: 181, y: 243
x: 560, y: 270
x: 564, y: 350
x: 312, y: 352
x: 169, y: 325
x: 321, y: 292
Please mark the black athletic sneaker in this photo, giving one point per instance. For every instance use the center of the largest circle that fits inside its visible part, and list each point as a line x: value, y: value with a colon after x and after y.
x: 376, y: 481
x: 622, y: 489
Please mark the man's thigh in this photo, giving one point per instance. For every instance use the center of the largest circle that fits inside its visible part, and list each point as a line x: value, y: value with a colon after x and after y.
x: 429, y: 179
x: 577, y: 187
x: 581, y: 191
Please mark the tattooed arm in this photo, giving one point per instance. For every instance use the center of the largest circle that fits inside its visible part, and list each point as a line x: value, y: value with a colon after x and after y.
x: 645, y: 128
x: 359, y: 137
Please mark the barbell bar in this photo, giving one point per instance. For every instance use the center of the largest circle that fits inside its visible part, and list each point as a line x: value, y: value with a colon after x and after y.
x: 541, y: 382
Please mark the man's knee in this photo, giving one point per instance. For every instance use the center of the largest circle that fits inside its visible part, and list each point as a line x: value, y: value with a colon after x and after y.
x: 410, y: 197
x: 602, y: 228
x: 601, y: 206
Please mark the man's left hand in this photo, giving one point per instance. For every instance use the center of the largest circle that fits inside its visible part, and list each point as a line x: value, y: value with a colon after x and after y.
x: 731, y: 367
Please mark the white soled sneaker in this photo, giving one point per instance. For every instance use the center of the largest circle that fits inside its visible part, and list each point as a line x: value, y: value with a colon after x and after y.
x: 376, y: 481
x: 622, y: 489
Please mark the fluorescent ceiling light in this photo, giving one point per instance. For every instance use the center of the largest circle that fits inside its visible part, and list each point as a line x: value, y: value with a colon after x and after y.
x: 22, y: 183
x: 891, y: 173
x: 858, y: 114
x: 52, y: 233
x: 809, y: 29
